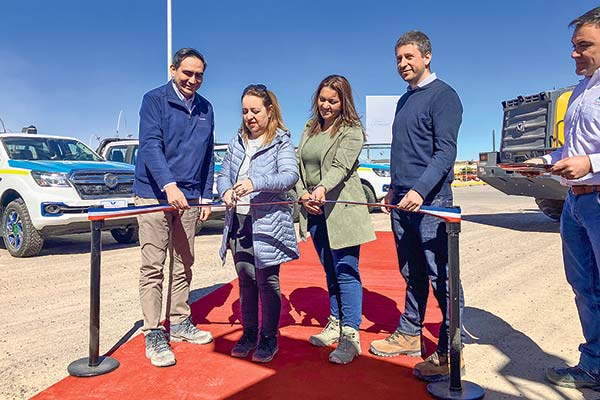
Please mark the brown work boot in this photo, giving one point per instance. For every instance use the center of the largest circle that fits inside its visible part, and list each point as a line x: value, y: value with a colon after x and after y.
x: 436, y: 368
x: 396, y: 344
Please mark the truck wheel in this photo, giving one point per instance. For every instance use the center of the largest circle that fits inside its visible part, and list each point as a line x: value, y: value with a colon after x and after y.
x: 551, y: 207
x: 125, y: 235
x: 20, y: 237
x: 370, y: 195
x: 293, y: 196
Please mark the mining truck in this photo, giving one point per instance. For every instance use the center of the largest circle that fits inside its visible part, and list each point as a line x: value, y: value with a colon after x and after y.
x: 532, y: 126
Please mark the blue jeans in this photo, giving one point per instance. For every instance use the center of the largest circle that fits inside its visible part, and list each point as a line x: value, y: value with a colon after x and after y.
x: 422, y: 248
x: 341, y: 271
x: 580, y: 231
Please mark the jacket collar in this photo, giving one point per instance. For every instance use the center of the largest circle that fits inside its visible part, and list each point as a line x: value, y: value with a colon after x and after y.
x: 279, y: 135
x: 174, y: 99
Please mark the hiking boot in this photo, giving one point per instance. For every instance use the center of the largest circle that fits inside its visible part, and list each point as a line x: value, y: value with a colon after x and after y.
x: 573, y: 377
x: 246, y: 344
x: 158, y: 349
x: 436, y: 368
x: 188, y: 332
x: 348, y: 348
x: 266, y: 350
x: 329, y: 335
x: 396, y: 344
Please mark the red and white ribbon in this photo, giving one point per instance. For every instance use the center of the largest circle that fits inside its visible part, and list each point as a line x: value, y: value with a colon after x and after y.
x: 100, y: 214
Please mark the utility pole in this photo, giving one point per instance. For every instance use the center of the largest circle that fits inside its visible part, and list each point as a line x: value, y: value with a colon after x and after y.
x: 169, y: 39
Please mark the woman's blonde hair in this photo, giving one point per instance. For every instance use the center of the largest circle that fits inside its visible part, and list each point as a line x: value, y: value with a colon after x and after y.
x: 271, y: 104
x: 348, y: 115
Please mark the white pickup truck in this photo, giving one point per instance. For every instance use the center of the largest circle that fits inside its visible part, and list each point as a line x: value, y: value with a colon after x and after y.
x: 47, y: 184
x: 374, y: 170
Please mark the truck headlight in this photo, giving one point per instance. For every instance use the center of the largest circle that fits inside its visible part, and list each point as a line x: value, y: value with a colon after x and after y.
x: 382, y: 172
x: 54, y: 179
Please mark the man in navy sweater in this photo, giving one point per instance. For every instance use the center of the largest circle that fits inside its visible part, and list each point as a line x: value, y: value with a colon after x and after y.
x: 424, y: 134
x: 174, y: 166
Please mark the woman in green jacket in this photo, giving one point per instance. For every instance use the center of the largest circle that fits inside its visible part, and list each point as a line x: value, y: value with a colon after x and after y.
x: 328, y: 160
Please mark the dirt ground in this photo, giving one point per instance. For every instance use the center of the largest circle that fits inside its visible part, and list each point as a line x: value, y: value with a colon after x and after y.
x: 520, y: 315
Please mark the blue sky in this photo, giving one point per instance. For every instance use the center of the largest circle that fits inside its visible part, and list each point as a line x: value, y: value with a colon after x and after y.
x: 69, y: 67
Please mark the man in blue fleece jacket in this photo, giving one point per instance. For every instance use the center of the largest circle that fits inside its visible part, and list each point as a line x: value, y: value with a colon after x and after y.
x: 424, y: 134
x: 174, y: 166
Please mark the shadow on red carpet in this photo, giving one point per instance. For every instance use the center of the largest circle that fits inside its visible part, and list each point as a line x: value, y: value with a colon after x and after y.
x: 299, y: 370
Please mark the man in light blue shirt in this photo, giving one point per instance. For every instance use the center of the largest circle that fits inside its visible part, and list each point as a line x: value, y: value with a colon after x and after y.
x: 578, y: 164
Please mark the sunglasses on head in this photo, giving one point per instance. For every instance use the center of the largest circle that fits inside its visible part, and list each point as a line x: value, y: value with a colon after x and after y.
x: 260, y: 87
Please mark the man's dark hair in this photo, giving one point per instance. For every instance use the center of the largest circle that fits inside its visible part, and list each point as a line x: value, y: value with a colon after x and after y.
x: 590, y: 17
x: 185, y: 53
x: 416, y: 38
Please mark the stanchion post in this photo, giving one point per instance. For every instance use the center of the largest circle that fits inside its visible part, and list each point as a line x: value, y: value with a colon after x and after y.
x: 456, y: 388
x: 94, y: 365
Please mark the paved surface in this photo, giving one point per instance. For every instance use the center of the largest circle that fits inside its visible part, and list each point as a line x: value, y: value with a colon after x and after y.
x: 520, y: 314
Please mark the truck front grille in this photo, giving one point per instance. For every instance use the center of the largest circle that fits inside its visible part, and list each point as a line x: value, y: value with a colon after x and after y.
x: 92, y: 184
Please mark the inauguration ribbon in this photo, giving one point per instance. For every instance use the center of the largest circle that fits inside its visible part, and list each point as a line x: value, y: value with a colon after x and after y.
x: 100, y: 214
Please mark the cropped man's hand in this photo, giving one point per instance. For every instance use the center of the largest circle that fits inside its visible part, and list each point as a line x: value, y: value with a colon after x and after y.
x: 387, y: 200
x: 176, y: 198
x: 572, y: 167
x: 536, y: 160
x: 532, y: 174
x: 411, y: 201
x: 205, y: 212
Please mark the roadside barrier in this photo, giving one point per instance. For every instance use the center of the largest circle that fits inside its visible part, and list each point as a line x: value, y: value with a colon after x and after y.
x: 456, y: 388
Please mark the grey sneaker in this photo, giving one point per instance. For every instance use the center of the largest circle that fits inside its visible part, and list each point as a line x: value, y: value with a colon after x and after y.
x: 573, y: 377
x: 246, y: 344
x: 348, y: 348
x: 158, y: 349
x: 267, y: 348
x: 329, y: 335
x: 188, y: 332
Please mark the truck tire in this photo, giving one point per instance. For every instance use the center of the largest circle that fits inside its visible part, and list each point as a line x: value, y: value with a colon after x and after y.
x: 20, y: 237
x: 293, y: 196
x: 125, y: 235
x: 370, y: 195
x: 551, y: 207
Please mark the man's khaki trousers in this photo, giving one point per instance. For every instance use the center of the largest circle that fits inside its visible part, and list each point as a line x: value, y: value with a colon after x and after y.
x: 156, y: 231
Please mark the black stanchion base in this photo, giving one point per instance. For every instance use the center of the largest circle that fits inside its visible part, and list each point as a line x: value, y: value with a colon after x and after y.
x: 470, y: 391
x: 82, y: 367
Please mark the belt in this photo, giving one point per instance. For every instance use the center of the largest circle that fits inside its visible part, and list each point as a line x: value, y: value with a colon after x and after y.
x: 584, y: 189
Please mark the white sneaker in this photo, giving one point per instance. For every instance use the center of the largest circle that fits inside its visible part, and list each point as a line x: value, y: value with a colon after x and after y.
x: 188, y: 332
x: 158, y: 349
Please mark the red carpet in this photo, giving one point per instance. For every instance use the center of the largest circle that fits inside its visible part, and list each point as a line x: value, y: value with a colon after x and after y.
x: 299, y: 371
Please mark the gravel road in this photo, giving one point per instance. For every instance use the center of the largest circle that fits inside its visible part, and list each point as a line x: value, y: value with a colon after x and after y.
x: 520, y: 313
